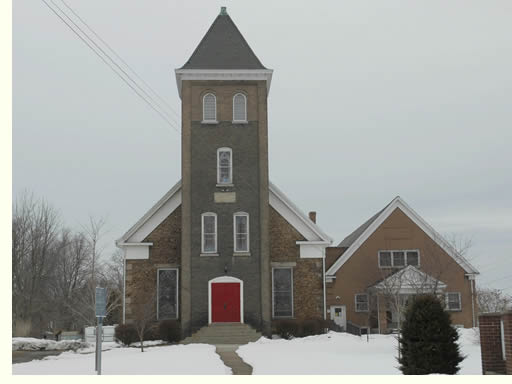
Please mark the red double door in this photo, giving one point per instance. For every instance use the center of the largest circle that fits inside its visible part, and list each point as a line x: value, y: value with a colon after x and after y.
x: 225, y: 302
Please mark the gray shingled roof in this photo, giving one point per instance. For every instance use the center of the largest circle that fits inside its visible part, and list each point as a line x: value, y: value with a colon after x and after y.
x: 349, y: 240
x: 223, y: 47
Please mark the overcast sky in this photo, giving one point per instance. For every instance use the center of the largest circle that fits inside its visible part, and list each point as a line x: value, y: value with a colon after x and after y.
x: 369, y: 100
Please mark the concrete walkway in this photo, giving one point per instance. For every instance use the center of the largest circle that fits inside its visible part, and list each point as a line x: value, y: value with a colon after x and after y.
x: 228, y: 355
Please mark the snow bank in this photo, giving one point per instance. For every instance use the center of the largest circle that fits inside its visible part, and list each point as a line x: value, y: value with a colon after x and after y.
x: 340, y: 354
x: 33, y: 344
x: 197, y: 359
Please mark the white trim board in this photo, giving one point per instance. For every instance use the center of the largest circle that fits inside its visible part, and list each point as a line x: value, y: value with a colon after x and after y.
x: 153, y: 217
x: 171, y: 200
x: 223, y: 74
x: 399, y: 203
x: 225, y: 279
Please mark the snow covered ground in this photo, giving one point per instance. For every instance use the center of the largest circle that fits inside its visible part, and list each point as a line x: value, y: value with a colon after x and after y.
x: 196, y: 359
x: 341, y: 354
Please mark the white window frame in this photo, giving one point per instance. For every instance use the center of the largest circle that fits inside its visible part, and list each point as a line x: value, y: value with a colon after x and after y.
x: 158, y: 293
x: 448, y: 302
x: 293, y: 307
x: 203, y: 215
x: 241, y: 214
x: 210, y: 121
x: 245, y: 108
x: 367, y: 302
x: 405, y: 256
x: 225, y: 149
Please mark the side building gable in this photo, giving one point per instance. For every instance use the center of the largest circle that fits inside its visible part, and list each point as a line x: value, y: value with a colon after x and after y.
x: 360, y: 235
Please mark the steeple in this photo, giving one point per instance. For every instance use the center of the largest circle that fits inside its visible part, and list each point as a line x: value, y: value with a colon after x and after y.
x: 223, y: 47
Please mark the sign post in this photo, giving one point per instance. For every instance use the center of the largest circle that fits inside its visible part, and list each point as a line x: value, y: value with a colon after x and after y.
x: 101, y: 312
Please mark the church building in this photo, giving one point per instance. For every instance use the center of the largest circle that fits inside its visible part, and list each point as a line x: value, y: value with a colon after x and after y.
x: 225, y: 244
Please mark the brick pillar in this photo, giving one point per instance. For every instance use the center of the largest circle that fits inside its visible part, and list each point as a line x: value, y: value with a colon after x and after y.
x: 507, y: 325
x: 490, y: 342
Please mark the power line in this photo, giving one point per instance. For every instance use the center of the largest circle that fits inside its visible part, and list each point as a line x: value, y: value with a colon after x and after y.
x: 110, y: 58
x: 165, y: 103
x: 109, y: 65
x: 241, y: 177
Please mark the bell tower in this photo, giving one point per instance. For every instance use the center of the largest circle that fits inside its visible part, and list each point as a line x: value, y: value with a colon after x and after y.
x: 225, y: 188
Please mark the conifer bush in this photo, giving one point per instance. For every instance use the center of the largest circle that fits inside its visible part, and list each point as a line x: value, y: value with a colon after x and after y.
x: 126, y: 334
x: 428, y: 341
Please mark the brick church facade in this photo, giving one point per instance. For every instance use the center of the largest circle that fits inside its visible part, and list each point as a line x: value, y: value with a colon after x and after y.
x: 226, y: 245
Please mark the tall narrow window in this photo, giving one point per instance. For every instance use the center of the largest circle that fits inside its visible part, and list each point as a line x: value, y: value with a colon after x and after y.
x: 209, y: 108
x: 224, y: 166
x: 239, y: 108
x: 209, y: 233
x: 282, y: 292
x: 241, y: 232
x: 167, y: 298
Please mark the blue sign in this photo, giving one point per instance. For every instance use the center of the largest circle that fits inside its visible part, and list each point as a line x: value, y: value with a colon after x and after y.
x: 101, y: 302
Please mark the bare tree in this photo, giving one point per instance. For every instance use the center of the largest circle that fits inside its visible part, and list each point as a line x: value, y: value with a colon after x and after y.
x: 144, y: 313
x: 493, y: 300
x: 34, y: 233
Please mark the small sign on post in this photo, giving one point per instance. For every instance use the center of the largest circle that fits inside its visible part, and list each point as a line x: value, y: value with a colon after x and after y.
x: 101, y: 312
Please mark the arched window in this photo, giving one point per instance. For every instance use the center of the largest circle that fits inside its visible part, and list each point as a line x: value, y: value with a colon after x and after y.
x: 241, y: 231
x: 209, y: 232
x: 239, y: 108
x: 209, y: 108
x: 224, y: 166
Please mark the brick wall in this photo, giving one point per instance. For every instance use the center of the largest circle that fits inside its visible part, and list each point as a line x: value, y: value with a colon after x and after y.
x: 307, y: 273
x: 507, y: 322
x: 493, y: 361
x: 141, y: 275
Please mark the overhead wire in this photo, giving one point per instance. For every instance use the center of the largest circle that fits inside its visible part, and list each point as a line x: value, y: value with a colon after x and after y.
x: 162, y: 115
x: 163, y: 102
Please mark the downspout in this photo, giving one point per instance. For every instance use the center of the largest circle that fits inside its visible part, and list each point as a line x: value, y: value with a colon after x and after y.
x: 378, y: 313
x: 124, y: 289
x: 323, y: 278
x: 472, y: 283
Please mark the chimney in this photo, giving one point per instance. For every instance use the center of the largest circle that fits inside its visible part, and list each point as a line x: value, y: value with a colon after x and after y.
x: 312, y: 216
x: 223, y: 11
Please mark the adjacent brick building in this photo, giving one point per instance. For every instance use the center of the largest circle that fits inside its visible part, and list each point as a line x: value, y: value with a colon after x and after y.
x: 390, y: 258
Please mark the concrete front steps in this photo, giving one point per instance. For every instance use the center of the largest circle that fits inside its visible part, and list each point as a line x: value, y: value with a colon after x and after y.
x: 224, y: 333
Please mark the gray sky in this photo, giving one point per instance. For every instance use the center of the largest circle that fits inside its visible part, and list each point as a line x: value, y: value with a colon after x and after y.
x: 369, y: 100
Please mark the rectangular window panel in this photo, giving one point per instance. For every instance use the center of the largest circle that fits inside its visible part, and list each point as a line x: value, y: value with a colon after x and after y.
x: 385, y: 259
x: 413, y: 258
x: 398, y: 259
x: 282, y: 292
x: 242, y: 233
x: 209, y: 233
x: 167, y: 294
x: 453, y: 301
x: 362, y: 302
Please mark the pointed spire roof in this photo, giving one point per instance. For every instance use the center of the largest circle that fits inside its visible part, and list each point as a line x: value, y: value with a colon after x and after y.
x: 223, y: 47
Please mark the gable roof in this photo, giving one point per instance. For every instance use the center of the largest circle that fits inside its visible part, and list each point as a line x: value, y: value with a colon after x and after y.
x: 409, y: 278
x: 349, y: 240
x: 360, y: 235
x: 223, y: 47
x: 172, y: 200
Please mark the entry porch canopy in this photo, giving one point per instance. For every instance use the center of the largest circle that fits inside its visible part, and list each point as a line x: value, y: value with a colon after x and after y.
x: 407, y: 281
